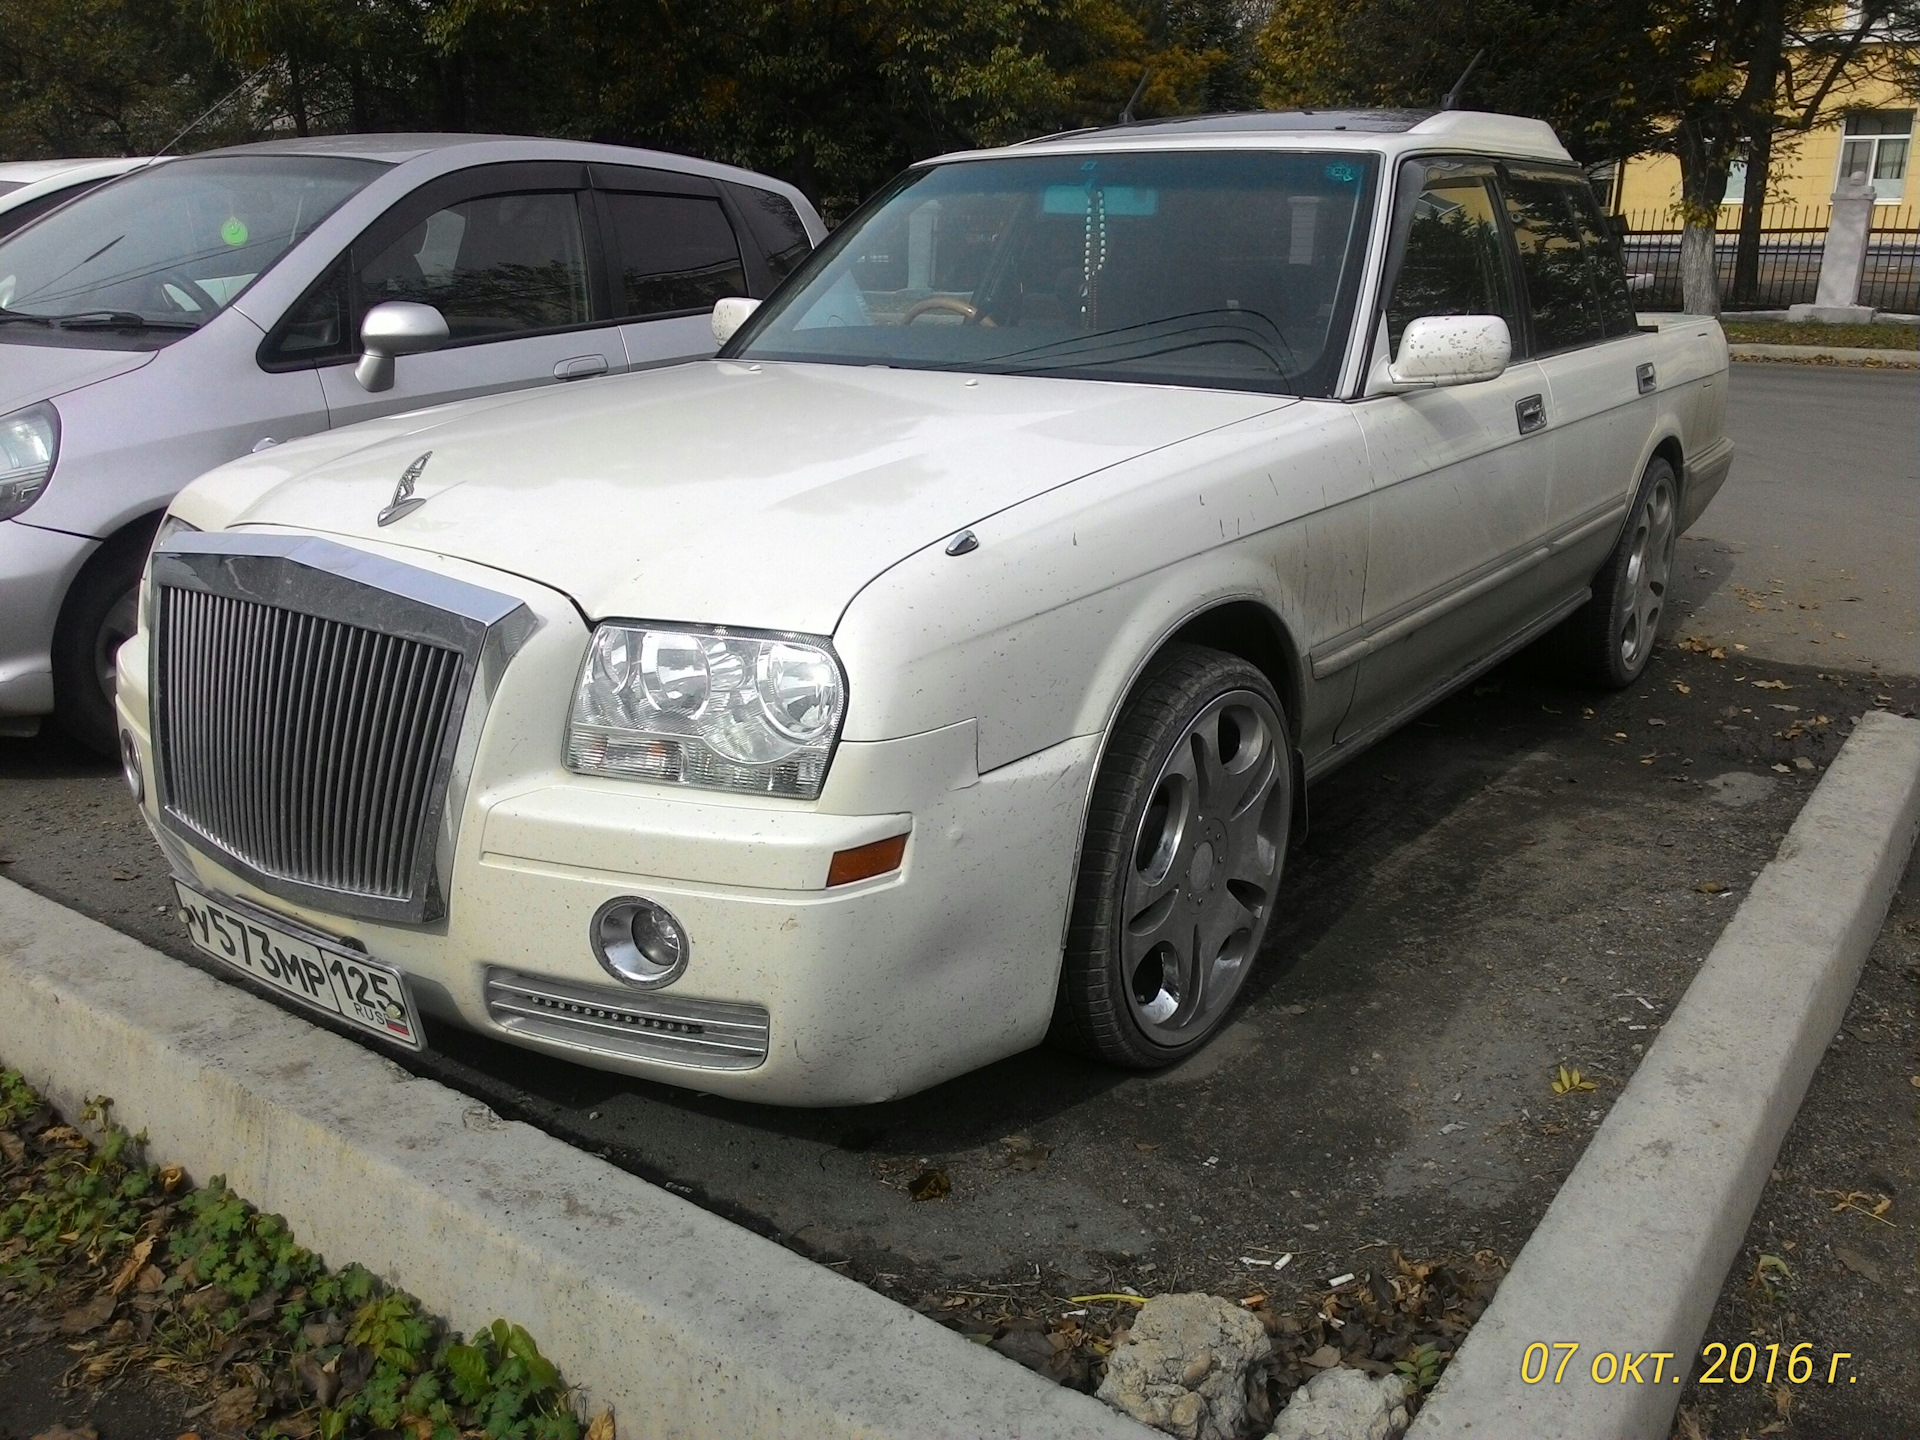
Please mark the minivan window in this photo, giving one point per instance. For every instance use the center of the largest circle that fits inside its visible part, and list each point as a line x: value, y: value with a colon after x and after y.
x: 169, y: 246
x: 493, y: 266
x: 673, y: 253
x: 1233, y: 270
x: 776, y: 225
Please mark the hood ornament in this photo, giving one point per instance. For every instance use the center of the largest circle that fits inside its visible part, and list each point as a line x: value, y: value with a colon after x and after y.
x: 404, y: 501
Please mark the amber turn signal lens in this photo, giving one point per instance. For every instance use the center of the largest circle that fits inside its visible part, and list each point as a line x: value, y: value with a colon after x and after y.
x: 863, y: 862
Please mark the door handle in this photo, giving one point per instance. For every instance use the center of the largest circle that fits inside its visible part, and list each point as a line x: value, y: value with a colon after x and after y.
x: 1644, y: 377
x: 1531, y: 412
x: 580, y: 367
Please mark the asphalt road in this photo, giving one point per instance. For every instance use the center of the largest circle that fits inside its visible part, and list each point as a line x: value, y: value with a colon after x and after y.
x: 1811, y: 547
x: 1524, y: 878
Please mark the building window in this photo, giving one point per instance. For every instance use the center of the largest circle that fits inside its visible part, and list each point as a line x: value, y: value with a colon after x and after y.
x: 1736, y: 191
x: 1875, y: 149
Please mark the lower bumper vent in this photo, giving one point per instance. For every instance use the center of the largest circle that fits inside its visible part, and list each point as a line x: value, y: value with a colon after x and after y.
x: 702, y: 1034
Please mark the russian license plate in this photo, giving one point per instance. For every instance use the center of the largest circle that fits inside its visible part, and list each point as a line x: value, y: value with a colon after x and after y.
x: 323, y: 977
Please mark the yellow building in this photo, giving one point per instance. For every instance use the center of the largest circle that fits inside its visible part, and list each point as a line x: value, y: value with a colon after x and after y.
x: 1869, y: 132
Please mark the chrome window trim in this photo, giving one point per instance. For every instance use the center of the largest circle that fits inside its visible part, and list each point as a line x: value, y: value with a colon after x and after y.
x: 353, y: 587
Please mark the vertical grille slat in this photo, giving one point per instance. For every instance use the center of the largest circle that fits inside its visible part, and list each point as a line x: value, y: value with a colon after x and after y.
x: 304, y: 746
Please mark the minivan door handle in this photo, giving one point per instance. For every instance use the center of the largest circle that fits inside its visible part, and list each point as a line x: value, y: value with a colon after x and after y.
x: 580, y: 367
x: 1531, y: 412
x: 1644, y: 377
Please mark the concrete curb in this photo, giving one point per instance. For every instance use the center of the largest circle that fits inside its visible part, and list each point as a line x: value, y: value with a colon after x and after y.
x: 687, y: 1325
x: 1828, y: 355
x: 1632, y: 1252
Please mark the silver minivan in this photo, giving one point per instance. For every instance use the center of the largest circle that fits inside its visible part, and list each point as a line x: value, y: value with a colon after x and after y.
x: 200, y: 308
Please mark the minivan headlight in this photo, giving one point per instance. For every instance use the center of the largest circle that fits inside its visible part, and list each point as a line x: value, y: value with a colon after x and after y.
x: 710, y: 707
x: 29, y: 444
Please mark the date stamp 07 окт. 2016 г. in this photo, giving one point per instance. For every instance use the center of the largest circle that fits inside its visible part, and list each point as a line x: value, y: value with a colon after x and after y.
x: 1741, y: 1365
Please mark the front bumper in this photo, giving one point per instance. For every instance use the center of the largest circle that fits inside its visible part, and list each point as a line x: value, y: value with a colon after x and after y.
x: 868, y: 991
x: 36, y: 567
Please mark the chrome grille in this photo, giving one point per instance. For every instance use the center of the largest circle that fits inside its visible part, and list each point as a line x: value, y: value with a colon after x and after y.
x: 311, y: 705
x: 708, y: 1034
x: 303, y: 745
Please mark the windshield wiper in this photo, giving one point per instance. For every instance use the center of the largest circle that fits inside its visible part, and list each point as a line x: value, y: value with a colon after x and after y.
x: 22, y: 317
x: 117, y: 320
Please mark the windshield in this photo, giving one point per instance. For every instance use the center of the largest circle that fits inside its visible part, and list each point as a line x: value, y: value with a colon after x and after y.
x: 170, y: 246
x: 1222, y: 269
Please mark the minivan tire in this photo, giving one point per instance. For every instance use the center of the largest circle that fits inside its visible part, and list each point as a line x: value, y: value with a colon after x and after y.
x: 98, y: 617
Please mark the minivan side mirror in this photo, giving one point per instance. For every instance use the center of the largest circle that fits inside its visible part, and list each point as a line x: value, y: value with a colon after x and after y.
x: 1452, y: 350
x: 729, y: 315
x: 395, y: 327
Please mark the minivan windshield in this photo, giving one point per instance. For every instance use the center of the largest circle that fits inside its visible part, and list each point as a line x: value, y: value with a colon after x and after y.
x: 1227, y: 269
x: 169, y: 246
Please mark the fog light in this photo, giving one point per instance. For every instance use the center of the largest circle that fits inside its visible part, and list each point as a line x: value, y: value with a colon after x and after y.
x: 639, y: 942
x: 130, y: 766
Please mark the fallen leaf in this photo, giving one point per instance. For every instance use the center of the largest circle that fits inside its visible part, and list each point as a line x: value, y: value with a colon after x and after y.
x: 65, y: 1432
x: 150, y: 1279
x: 136, y: 1262
x: 1296, y: 1009
x: 1771, y: 685
x: 1022, y: 1152
x: 1683, y: 687
x: 1784, y: 770
x: 930, y: 1185
x: 1325, y: 1358
x: 1567, y: 1081
x: 1147, y: 1149
x: 602, y: 1426
x: 12, y: 1147
x: 170, y: 1178
x: 90, y: 1316
x: 1708, y: 887
x: 235, y: 1409
x: 1859, y: 1264
x: 1801, y: 762
x: 125, y: 874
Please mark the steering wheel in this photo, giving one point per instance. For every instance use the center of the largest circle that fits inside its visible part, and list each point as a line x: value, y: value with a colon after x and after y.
x: 969, y: 314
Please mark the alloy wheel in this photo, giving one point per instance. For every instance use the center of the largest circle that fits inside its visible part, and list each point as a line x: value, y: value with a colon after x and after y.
x: 1649, y: 567
x: 1205, y: 868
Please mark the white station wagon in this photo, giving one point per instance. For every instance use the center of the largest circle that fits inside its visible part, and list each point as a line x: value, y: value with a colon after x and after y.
x: 940, y: 669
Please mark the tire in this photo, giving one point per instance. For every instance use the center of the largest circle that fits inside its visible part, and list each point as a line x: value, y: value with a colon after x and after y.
x: 1611, y: 637
x: 100, y: 613
x: 1186, y: 835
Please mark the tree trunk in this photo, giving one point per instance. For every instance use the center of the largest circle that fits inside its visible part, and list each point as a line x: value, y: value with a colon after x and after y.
x: 1753, y: 200
x: 297, y: 96
x: 1703, y: 181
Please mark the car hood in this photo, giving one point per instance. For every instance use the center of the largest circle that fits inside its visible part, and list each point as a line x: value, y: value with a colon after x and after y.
x: 30, y: 372
x: 721, y: 492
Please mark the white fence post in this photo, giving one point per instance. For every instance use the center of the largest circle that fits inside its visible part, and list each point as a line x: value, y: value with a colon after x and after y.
x: 1843, y: 259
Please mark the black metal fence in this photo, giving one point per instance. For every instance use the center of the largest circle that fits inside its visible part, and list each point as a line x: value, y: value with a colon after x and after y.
x: 1792, y: 240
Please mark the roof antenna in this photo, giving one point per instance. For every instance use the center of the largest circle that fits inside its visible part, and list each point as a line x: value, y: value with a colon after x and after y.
x: 1126, y: 115
x: 1451, y: 99
x: 211, y: 111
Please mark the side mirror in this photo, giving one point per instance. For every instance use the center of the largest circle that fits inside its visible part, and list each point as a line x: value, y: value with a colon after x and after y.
x: 395, y: 327
x: 729, y: 315
x: 1452, y: 350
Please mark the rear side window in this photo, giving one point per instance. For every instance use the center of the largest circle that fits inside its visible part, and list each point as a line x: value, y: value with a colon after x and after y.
x: 1553, y: 260
x: 673, y: 253
x: 1454, y: 261
x: 776, y: 227
x: 1603, y: 262
x: 494, y: 266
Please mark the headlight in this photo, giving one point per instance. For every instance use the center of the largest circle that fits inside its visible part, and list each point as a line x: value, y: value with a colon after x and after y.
x: 29, y: 444
x: 171, y: 525
x: 707, y: 707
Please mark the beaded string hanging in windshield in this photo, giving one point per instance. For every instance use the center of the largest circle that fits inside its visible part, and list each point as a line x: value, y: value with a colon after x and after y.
x: 1094, y: 257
